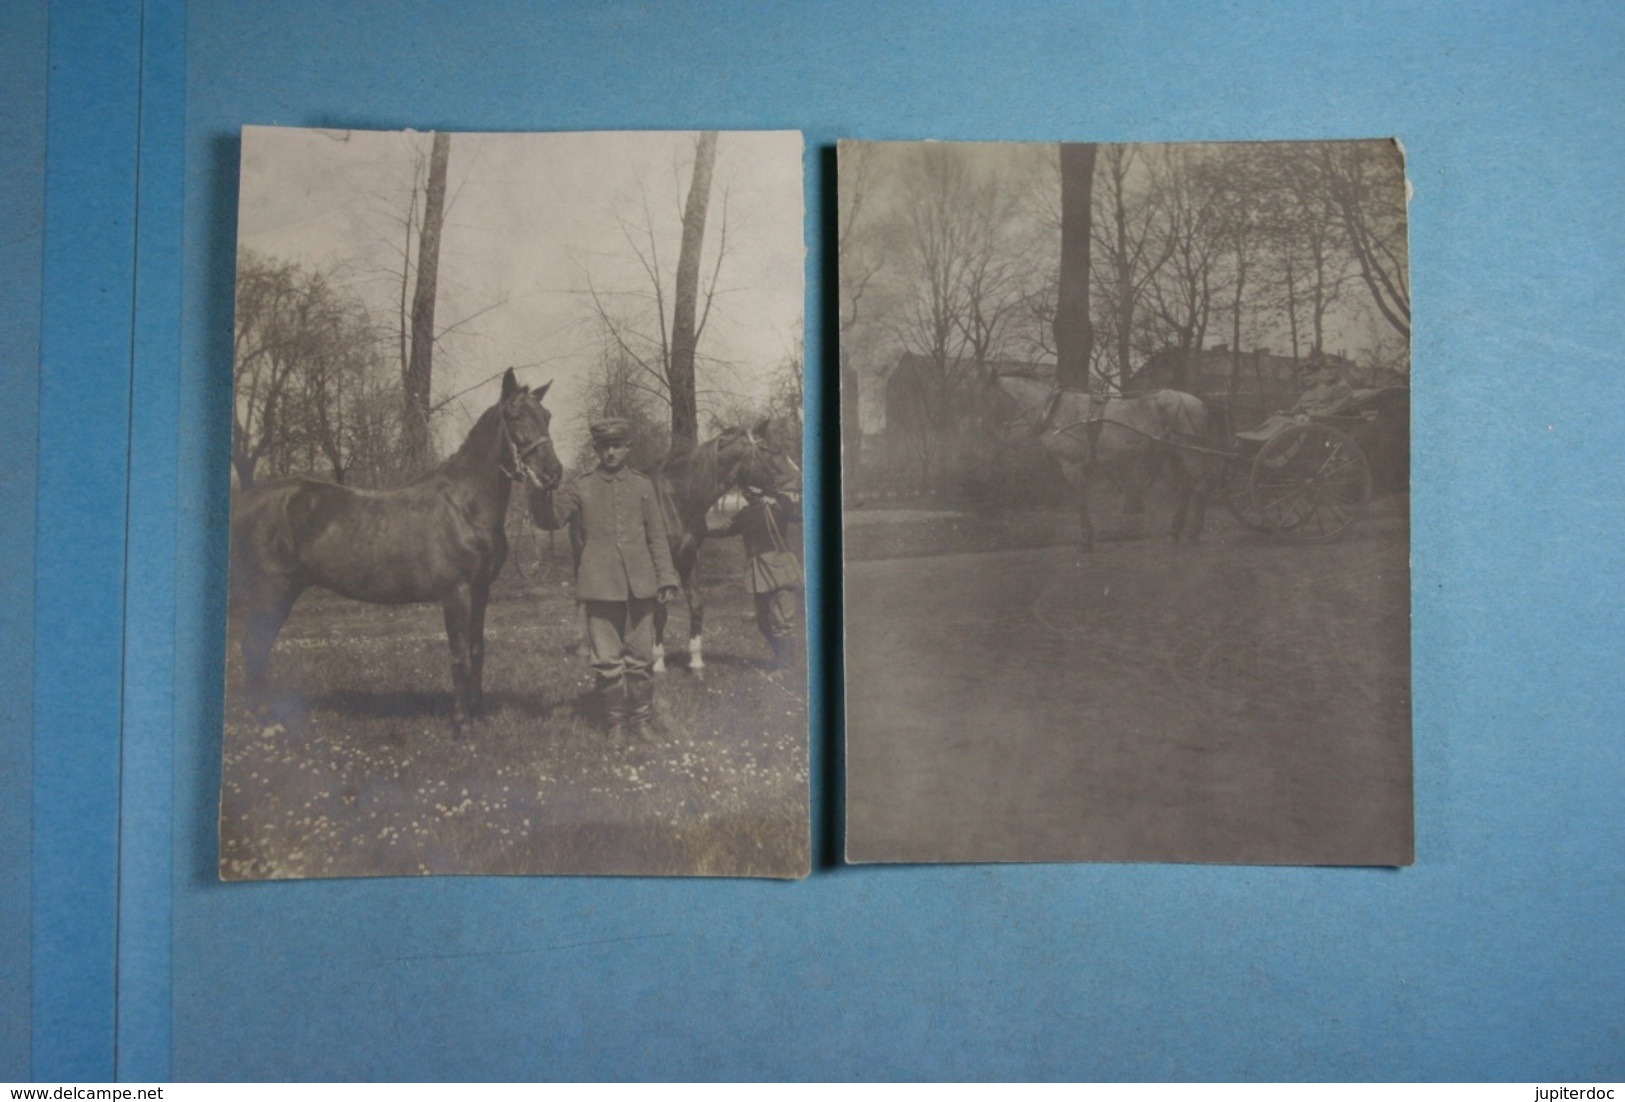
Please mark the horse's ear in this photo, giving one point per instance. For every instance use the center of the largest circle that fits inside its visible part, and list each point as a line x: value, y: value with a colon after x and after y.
x: 510, y: 385
x: 541, y: 391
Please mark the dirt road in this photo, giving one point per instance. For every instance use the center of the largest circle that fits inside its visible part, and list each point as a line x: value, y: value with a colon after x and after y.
x: 1243, y: 700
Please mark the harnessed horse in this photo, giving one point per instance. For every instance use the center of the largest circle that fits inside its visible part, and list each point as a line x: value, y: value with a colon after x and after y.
x: 1129, y: 438
x: 439, y: 538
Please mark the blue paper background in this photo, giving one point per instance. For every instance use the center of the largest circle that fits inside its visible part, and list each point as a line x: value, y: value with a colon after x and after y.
x: 22, y: 213
x: 1500, y: 955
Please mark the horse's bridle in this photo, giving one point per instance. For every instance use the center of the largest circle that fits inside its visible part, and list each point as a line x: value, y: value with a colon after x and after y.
x: 522, y: 471
x: 1092, y: 422
x: 1046, y: 403
x: 756, y: 446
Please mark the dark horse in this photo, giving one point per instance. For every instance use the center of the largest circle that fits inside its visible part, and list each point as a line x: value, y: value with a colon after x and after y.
x: 1128, y: 438
x: 440, y: 538
x: 689, y: 482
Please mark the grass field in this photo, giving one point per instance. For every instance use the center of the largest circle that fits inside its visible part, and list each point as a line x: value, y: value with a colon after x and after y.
x: 1246, y: 700
x: 357, y: 774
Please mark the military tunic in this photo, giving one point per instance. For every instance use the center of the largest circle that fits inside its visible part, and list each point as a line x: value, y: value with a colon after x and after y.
x: 624, y: 551
x: 625, y: 562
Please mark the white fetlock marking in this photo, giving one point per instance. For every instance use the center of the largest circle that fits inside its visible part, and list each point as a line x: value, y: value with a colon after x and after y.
x: 696, y: 653
x: 660, y: 658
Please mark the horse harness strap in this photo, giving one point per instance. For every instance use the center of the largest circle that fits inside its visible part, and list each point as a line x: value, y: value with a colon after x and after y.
x: 773, y: 531
x: 1093, y: 422
x: 1096, y: 421
x: 522, y: 471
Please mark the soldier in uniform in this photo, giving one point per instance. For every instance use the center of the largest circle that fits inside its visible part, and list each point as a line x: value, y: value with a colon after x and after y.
x: 1325, y: 390
x: 772, y: 568
x: 624, y: 568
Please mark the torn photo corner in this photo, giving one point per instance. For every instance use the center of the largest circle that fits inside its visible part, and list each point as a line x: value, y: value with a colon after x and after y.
x: 1125, y: 502
x: 516, y: 541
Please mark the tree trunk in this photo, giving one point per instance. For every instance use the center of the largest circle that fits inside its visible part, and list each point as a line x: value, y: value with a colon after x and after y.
x: 1292, y: 307
x: 1122, y: 258
x: 1235, y: 319
x: 851, y: 430
x: 420, y: 451
x: 1074, y: 332
x: 685, y: 417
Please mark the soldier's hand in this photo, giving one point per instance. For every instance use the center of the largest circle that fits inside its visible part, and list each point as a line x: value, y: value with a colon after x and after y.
x: 667, y: 594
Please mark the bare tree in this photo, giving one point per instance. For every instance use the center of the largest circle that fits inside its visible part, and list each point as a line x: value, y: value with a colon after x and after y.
x: 935, y: 239
x: 857, y: 264
x: 1180, y: 298
x: 417, y: 380
x: 1364, y: 184
x: 664, y: 346
x: 1130, y: 252
x: 1074, y: 329
x: 685, y: 330
x: 1238, y: 182
x: 264, y: 356
x: 1307, y: 264
x: 309, y: 379
x: 617, y: 388
x: 340, y: 409
x: 956, y: 289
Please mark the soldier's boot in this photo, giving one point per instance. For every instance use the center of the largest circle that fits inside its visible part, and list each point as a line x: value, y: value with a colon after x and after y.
x: 780, y: 646
x: 612, y: 702
x: 640, y: 695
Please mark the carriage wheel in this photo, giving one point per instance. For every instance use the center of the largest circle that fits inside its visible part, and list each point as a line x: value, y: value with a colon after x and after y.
x: 1309, y: 483
x: 1237, y: 488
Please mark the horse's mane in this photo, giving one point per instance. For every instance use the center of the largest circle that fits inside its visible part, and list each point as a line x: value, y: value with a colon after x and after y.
x: 688, y: 475
x: 475, y: 449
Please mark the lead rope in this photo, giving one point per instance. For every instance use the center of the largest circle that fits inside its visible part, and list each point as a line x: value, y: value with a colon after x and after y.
x: 773, y: 531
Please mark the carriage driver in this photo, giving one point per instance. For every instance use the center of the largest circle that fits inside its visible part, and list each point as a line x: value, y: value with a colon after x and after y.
x: 1325, y: 389
x: 624, y: 569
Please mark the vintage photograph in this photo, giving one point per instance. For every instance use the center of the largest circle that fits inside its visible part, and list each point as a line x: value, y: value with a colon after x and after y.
x: 1125, y: 476
x: 516, y: 547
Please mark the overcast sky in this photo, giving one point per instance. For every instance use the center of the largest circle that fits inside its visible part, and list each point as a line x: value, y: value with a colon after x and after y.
x: 530, y: 219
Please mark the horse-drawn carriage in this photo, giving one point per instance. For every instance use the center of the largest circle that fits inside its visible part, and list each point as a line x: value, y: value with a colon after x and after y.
x: 1305, y: 477
x: 1309, y: 481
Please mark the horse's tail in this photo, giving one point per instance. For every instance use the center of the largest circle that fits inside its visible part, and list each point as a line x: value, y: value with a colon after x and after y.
x: 262, y: 534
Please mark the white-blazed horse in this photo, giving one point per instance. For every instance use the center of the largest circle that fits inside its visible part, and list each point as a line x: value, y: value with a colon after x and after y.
x: 1130, y: 439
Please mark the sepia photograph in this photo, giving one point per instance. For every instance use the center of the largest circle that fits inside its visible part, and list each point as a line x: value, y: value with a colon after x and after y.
x: 516, y: 580
x: 1125, y: 502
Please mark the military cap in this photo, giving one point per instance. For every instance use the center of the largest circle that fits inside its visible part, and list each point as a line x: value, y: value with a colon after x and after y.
x: 611, y: 430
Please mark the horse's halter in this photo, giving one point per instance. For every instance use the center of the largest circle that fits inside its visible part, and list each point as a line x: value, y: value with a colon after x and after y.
x: 522, y: 471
